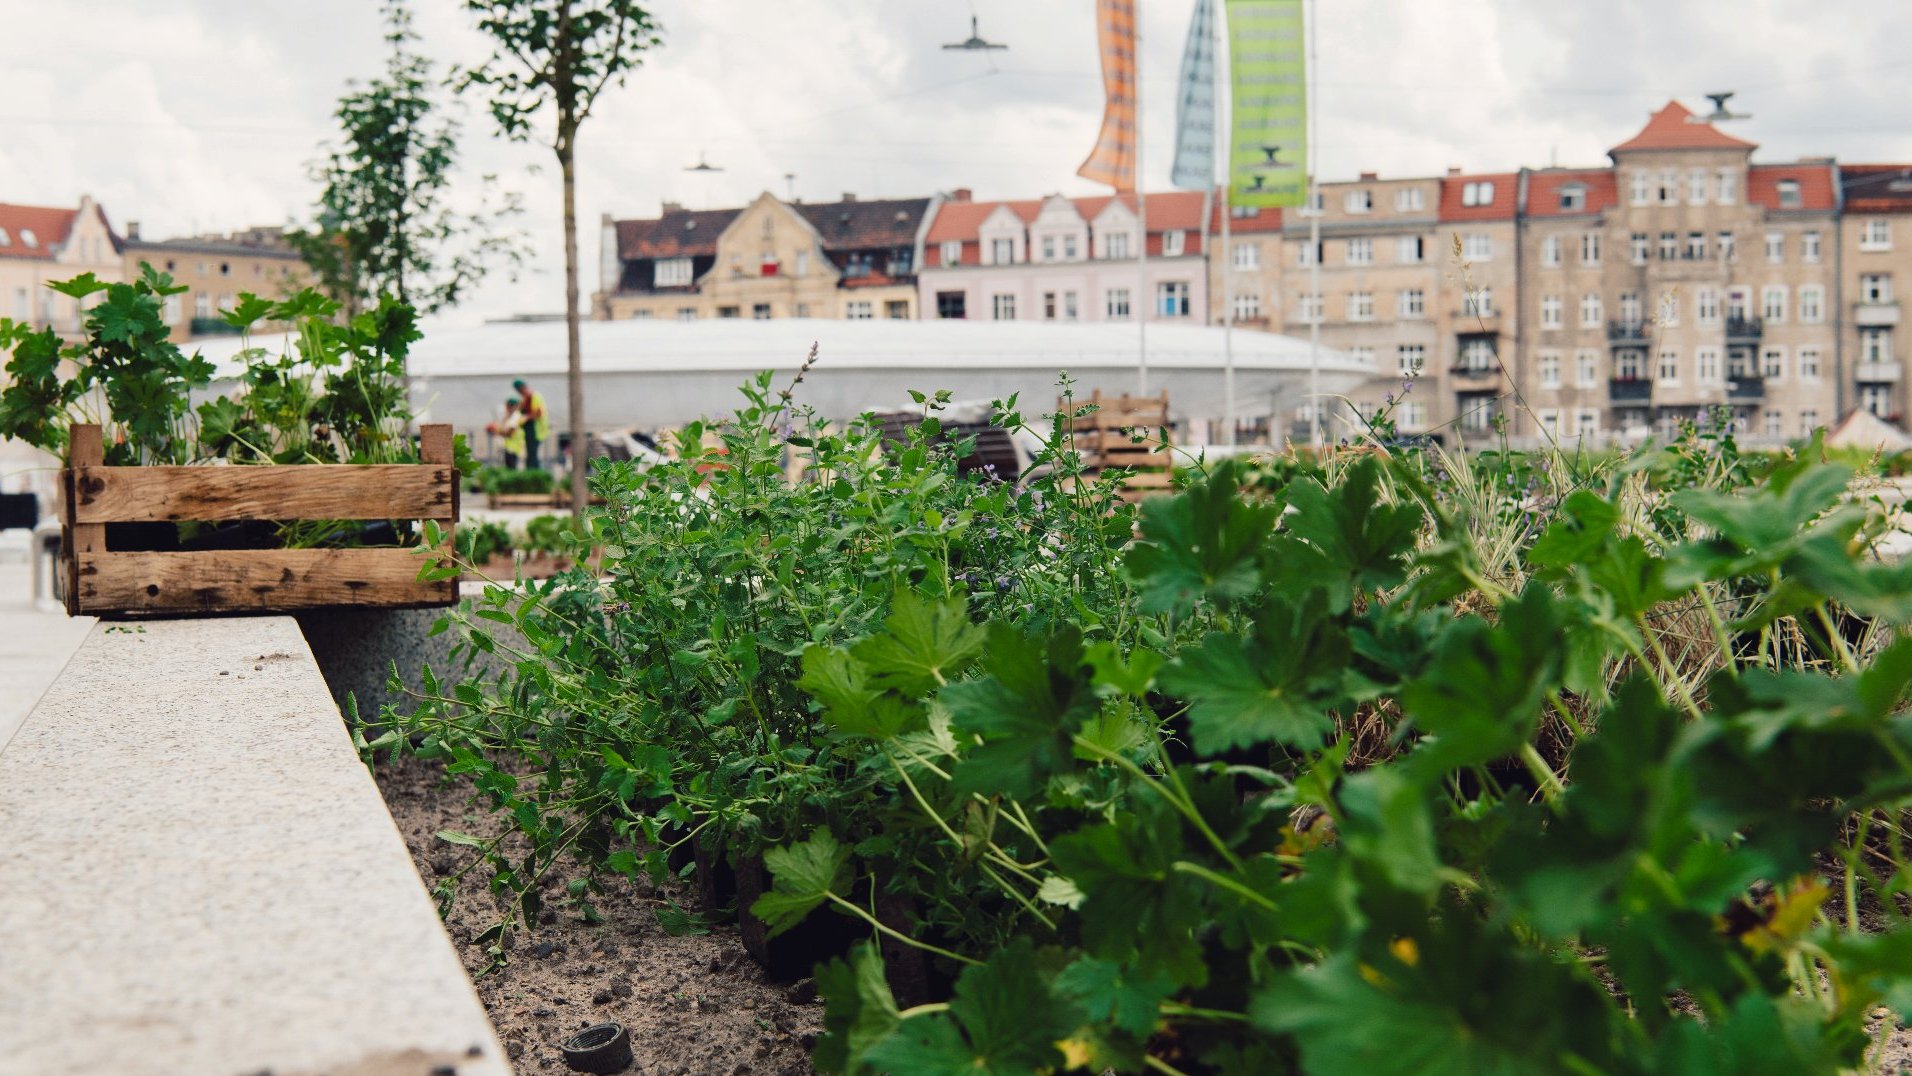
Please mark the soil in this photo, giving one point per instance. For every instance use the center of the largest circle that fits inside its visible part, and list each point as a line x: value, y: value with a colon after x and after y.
x: 695, y: 1005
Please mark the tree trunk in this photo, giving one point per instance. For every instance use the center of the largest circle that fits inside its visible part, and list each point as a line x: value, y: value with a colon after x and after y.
x: 574, y: 357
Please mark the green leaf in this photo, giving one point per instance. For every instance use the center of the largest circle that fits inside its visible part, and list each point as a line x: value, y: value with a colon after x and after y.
x: 1480, y: 695
x: 1137, y: 910
x: 924, y: 645
x: 859, y: 1010
x: 1037, y: 694
x: 852, y: 706
x: 1345, y: 540
x: 803, y: 875
x: 1002, y: 1020
x: 1201, y: 544
x: 1106, y: 991
x: 449, y: 837
x: 1277, y: 686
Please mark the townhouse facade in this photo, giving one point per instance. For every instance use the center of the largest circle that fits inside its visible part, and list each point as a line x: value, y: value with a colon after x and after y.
x: 1067, y: 259
x: 39, y: 244
x: 1875, y: 267
x: 771, y: 259
x: 216, y: 269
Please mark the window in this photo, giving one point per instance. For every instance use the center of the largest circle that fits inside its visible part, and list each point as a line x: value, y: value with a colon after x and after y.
x: 760, y: 311
x: 1808, y: 422
x: 1669, y: 366
x: 1407, y: 199
x: 1639, y: 248
x: 1305, y: 254
x: 1477, y: 247
x: 859, y: 310
x: 1478, y: 193
x: 1413, y: 303
x: 952, y: 304
x: 1048, y: 248
x: 1809, y: 246
x: 1728, y: 187
x: 1706, y: 306
x: 1875, y: 288
x: 1696, y: 246
x: 1669, y: 308
x: 32, y: 241
x: 1363, y: 355
x: 803, y: 310
x: 1875, y: 345
x: 1628, y: 364
x: 1048, y: 306
x: 1669, y: 188
x: 1411, y: 359
x: 1549, y: 362
x: 171, y: 314
x: 894, y: 309
x: 1002, y: 251
x: 1876, y: 399
x: 1171, y: 297
x: 1316, y: 201
x: 202, y: 305
x: 1706, y: 364
x: 1172, y: 243
x: 803, y: 263
x: 1115, y: 245
x: 22, y: 305
x: 1696, y: 184
x: 1772, y: 363
x: 1775, y: 247
x: 1116, y: 304
x: 686, y: 313
x: 1630, y: 312
x: 1808, y: 364
x: 1360, y: 252
x: 1586, y: 368
x: 1728, y: 249
x: 1551, y: 312
x: 1637, y: 187
x: 1478, y: 303
x: 1410, y: 249
x: 1549, y: 420
x: 1477, y: 354
x: 1248, y: 307
x: 1590, y: 312
x: 1247, y: 255
x: 1550, y: 251
x: 1789, y: 194
x: 1573, y: 196
x: 1308, y: 307
x: 952, y: 252
x: 1358, y: 201
x: 1003, y: 306
x: 1361, y: 306
x: 1069, y: 248
x: 673, y: 272
x: 1875, y: 235
x: 5, y: 240
x: 1775, y: 422
x: 1772, y: 302
x: 1411, y: 415
x: 1669, y: 246
x: 1812, y: 304
x: 1590, y: 248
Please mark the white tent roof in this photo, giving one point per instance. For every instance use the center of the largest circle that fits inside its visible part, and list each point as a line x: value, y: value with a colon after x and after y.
x: 1865, y: 430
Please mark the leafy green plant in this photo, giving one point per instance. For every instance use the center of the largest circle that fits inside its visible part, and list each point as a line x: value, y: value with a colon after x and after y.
x: 477, y: 543
x: 492, y: 479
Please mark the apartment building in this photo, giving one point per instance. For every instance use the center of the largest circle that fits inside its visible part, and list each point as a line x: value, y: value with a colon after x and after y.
x: 216, y: 269
x: 39, y: 244
x: 1066, y: 259
x: 1875, y: 243
x: 770, y: 259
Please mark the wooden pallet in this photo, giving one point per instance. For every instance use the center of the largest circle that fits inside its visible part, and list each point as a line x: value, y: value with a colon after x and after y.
x: 100, y: 581
x: 1126, y: 432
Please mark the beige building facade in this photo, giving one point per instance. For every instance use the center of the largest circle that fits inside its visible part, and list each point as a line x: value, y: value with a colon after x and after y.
x: 1875, y: 242
x: 216, y: 270
x: 39, y: 244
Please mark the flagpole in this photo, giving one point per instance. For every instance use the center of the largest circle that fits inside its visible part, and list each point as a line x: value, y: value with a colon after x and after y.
x: 1314, y: 240
x: 1142, y: 218
x: 1223, y: 154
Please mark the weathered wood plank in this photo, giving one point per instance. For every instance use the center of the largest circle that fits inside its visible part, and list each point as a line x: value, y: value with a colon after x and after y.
x: 211, y: 494
x: 86, y: 447
x: 255, y: 580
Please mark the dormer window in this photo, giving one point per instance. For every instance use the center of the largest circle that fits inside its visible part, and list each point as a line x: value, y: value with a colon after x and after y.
x: 28, y: 239
x: 673, y: 272
x: 1173, y: 242
x: 1789, y: 194
x: 1002, y: 251
x: 5, y: 239
x: 952, y: 252
x: 1478, y: 193
x: 1115, y: 245
x: 1573, y: 196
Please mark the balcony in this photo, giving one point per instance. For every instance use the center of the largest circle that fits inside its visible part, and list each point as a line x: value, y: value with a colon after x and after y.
x: 1876, y: 373
x: 1744, y: 329
x: 1875, y: 315
x: 1475, y: 378
x: 1745, y: 388
x: 1626, y: 333
x: 1476, y: 323
x: 1629, y: 390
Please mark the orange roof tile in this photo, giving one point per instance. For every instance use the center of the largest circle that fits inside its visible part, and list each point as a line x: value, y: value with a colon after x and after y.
x: 1543, y: 191
x: 1172, y: 211
x: 50, y: 227
x: 1257, y: 220
x: 1454, y: 189
x: 1815, y: 185
x: 1674, y: 127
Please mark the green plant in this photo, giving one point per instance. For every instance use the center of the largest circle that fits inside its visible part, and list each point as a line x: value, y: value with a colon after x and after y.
x: 552, y: 535
x: 477, y: 543
x: 492, y: 479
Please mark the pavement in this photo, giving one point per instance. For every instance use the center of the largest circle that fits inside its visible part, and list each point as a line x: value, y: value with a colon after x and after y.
x: 35, y: 639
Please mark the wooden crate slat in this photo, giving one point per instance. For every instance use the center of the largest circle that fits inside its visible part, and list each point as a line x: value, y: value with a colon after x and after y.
x: 213, y: 494
x: 86, y: 447
x: 254, y: 580
x: 1148, y: 480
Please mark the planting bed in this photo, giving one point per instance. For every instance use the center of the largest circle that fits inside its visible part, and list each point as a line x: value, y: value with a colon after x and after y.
x: 694, y: 1004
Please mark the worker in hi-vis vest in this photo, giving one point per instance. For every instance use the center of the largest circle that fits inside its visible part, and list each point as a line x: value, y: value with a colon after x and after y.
x: 537, y: 423
x: 512, y: 429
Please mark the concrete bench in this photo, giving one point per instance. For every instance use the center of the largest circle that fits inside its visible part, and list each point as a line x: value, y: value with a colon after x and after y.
x: 197, y: 875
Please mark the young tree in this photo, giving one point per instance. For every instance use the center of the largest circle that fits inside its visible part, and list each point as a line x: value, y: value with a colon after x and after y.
x: 385, y: 224
x: 560, y: 54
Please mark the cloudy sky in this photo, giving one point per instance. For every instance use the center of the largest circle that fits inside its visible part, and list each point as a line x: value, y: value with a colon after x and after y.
x: 201, y: 115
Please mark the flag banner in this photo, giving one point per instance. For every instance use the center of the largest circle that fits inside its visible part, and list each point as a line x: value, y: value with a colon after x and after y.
x: 1268, y: 152
x: 1113, y: 160
x: 1195, y: 104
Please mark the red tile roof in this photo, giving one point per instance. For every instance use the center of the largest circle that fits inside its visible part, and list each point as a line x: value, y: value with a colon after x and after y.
x: 50, y: 227
x: 1173, y: 211
x: 1673, y: 127
x: 1815, y: 185
x: 1506, y: 191
x: 1257, y: 220
x: 1543, y: 191
x: 678, y: 233
x: 1877, y: 188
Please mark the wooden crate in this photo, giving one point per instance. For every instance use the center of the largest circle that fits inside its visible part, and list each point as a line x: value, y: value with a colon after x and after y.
x: 100, y: 581
x: 1126, y: 432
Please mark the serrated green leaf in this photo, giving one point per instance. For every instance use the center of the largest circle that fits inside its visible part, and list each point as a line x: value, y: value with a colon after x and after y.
x: 803, y: 875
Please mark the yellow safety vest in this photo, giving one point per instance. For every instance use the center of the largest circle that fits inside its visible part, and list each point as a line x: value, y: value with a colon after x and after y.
x: 541, y: 424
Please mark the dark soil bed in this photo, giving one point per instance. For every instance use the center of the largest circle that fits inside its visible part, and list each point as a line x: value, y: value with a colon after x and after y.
x: 695, y: 1005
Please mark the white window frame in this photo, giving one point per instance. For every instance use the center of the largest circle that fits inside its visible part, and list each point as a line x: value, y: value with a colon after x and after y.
x: 1666, y: 366
x: 1809, y: 246
x: 1115, y: 304
x: 1360, y: 306
x: 1410, y: 359
x: 1707, y: 364
x: 1775, y: 247
x: 1246, y: 255
x: 1174, y: 242
x: 1875, y: 287
x: 952, y: 252
x: 1548, y: 364
x: 1586, y: 368
x: 859, y: 310
x: 1728, y: 188
x: 1360, y: 251
x: 1696, y: 183
x: 1706, y: 306
x: 1806, y: 362
x: 671, y: 273
x: 1410, y: 250
x: 1408, y: 199
x: 1412, y: 303
x: 1790, y: 194
x: 1639, y: 187
x: 1773, y: 297
x: 1812, y: 304
x: 1247, y: 306
x: 1592, y: 310
x: 1772, y: 362
x: 1550, y: 252
x: 1358, y: 201
x: 1553, y: 312
x: 1590, y: 248
x: 1002, y: 306
x: 1477, y: 247
x: 1875, y: 234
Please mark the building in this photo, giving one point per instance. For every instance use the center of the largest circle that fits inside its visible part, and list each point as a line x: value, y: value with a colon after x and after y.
x: 1065, y: 259
x: 1875, y: 244
x: 771, y: 259
x: 39, y: 244
x: 216, y: 270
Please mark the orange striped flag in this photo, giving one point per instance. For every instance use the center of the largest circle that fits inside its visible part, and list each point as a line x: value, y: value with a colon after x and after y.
x: 1113, y: 160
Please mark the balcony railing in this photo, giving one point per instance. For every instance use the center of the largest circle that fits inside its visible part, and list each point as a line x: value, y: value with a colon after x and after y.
x: 1877, y: 372
x: 1472, y: 375
x: 1626, y: 332
x: 1636, y: 390
x: 1875, y: 315
x: 1745, y: 388
x: 1744, y: 328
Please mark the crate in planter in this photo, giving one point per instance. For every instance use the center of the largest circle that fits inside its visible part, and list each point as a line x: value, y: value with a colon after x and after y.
x: 103, y: 581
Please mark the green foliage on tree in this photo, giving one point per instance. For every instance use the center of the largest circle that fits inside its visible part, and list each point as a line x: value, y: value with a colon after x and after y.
x: 559, y: 55
x: 386, y: 220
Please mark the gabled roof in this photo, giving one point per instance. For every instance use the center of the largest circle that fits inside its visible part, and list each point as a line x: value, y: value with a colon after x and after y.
x: 679, y: 233
x: 1815, y: 186
x: 1506, y: 194
x: 1544, y: 187
x: 50, y: 227
x: 1674, y: 127
x: 1877, y: 188
x: 860, y: 225
x: 1173, y: 211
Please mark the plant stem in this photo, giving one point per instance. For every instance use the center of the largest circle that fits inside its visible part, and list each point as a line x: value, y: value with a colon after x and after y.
x: 899, y: 936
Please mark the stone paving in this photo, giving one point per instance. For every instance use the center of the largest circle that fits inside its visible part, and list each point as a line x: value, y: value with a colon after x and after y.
x: 35, y: 640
